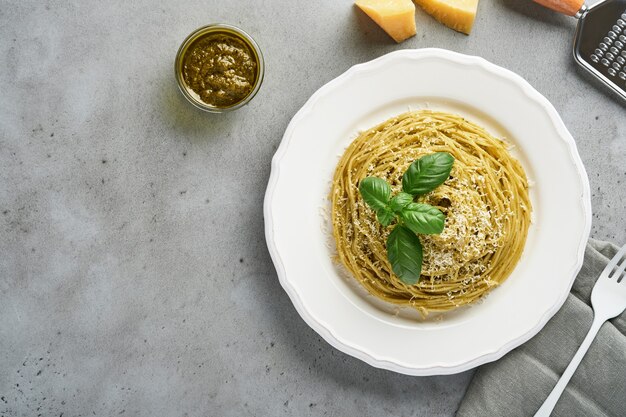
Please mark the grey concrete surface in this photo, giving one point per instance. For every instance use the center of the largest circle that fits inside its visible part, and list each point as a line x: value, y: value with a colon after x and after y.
x: 134, y: 275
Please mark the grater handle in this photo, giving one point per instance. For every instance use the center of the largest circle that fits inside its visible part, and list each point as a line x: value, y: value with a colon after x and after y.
x: 568, y: 7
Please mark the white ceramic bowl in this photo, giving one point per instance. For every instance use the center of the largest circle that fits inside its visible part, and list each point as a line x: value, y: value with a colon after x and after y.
x: 298, y: 229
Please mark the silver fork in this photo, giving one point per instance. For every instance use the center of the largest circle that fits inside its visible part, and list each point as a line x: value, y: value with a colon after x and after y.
x: 608, y: 299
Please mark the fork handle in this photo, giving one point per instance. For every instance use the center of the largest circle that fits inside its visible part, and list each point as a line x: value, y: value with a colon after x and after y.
x: 554, y: 396
x: 568, y: 7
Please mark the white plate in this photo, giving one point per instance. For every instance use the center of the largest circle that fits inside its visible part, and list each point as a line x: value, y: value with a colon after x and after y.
x: 298, y: 229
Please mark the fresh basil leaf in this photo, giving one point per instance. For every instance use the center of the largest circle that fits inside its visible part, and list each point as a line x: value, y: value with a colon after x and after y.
x: 400, y: 201
x: 423, y: 218
x: 404, y: 251
x: 375, y: 192
x: 427, y: 173
x: 385, y: 216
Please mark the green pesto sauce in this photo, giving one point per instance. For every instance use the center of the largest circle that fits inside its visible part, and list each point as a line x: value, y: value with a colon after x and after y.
x: 221, y: 68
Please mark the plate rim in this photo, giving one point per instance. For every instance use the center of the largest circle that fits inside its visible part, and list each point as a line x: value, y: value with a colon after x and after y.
x: 454, y: 57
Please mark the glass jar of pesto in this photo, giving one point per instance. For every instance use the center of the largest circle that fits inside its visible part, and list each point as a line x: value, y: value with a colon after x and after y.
x: 219, y: 68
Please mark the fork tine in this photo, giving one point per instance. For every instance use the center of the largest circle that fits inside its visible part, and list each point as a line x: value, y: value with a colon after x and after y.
x: 618, y: 256
x: 619, y: 271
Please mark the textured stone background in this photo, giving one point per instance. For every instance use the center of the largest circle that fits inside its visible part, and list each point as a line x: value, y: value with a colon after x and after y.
x: 134, y: 276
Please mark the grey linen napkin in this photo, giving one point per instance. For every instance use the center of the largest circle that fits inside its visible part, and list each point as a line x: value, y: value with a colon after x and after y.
x: 517, y: 384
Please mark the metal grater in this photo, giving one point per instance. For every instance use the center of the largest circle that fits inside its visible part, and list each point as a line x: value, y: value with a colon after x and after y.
x: 600, y: 42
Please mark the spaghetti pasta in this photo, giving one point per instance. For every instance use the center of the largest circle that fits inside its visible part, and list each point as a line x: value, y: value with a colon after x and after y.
x: 485, y: 201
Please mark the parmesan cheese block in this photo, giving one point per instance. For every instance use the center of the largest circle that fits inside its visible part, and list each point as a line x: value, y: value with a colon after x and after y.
x: 456, y: 14
x: 396, y: 17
